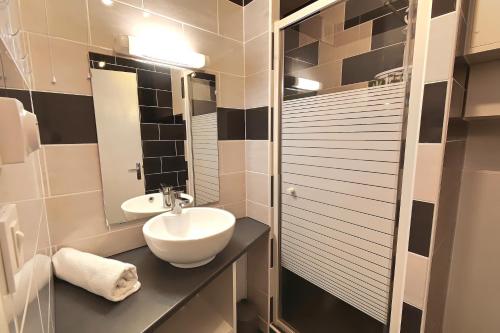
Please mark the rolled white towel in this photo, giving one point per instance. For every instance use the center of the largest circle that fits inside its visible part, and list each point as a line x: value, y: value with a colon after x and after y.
x: 109, y: 278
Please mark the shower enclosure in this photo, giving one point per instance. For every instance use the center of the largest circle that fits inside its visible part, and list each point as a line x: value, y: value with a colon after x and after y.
x: 342, y: 78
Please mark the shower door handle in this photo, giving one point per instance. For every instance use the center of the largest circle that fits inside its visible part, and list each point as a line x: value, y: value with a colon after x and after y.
x: 137, y: 170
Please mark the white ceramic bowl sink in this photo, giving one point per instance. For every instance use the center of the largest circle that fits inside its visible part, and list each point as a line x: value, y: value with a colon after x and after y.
x: 147, y: 205
x: 190, y: 239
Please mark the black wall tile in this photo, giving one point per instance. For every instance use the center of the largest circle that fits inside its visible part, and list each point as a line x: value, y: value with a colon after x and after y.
x: 179, y: 120
x: 152, y: 165
x: 153, y: 80
x: 22, y: 96
x: 172, y: 132
x: 65, y: 118
x: 387, y: 30
x: 162, y: 69
x: 179, y: 146
x: 422, y: 214
x: 102, y: 57
x: 365, y: 66
x: 182, y: 176
x: 203, y: 107
x: 307, y: 53
x: 238, y: 2
x: 411, y: 319
x: 164, y: 98
x: 150, y: 132
x: 153, y: 114
x: 441, y: 7
x: 360, y: 11
x: 116, y: 68
x: 288, y: 7
x: 231, y: 124
x: 257, y: 123
x: 134, y: 64
x: 433, y: 105
x: 158, y: 148
x: 461, y: 71
x: 205, y: 76
x: 174, y: 163
x: 153, y: 181
x: 147, y: 97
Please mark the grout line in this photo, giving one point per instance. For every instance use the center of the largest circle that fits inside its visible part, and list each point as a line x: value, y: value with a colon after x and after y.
x: 255, y: 37
x: 73, y: 194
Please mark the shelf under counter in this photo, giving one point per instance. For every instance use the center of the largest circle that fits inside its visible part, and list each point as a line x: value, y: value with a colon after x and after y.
x: 165, y: 289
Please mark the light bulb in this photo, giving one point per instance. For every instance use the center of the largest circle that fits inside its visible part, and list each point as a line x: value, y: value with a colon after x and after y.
x: 107, y: 2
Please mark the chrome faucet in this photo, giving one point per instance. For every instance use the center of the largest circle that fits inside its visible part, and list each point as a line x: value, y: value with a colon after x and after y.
x: 167, y: 191
x: 177, y: 202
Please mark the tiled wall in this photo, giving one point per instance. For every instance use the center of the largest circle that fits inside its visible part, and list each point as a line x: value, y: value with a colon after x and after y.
x: 30, y: 307
x: 162, y: 132
x: 59, y: 44
x: 438, y: 167
x: 345, y: 46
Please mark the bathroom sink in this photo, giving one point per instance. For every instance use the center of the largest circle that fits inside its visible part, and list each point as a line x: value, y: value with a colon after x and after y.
x: 190, y: 239
x: 148, y: 205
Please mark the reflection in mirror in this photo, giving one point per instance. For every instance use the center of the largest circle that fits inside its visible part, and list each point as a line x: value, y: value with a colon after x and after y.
x: 205, y: 155
x: 142, y: 117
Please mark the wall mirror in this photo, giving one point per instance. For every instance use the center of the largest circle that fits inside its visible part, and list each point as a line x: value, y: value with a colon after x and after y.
x: 157, y: 132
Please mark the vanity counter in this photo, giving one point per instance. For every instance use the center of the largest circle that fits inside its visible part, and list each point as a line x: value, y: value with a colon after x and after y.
x: 165, y: 289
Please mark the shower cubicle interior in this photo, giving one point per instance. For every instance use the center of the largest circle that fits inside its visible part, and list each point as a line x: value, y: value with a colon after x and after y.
x: 343, y: 73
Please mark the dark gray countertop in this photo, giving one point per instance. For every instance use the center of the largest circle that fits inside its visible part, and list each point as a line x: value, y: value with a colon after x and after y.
x: 165, y: 289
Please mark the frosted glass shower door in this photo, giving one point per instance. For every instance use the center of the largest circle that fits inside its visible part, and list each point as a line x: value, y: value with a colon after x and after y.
x: 340, y: 125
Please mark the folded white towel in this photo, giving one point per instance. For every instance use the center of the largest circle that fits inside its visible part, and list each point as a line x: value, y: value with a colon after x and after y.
x: 109, y: 278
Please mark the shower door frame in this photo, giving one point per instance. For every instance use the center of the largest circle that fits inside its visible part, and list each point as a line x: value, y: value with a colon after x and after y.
x: 410, y: 135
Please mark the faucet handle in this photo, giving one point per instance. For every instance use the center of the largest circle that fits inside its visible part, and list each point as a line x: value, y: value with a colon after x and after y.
x: 165, y: 189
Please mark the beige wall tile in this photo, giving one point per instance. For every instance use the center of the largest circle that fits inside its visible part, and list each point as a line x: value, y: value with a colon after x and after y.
x: 73, y: 168
x: 428, y: 172
x: 68, y: 19
x: 416, y: 280
x: 33, y: 16
x: 256, y: 16
x: 110, y: 243
x: 483, y: 139
x: 239, y: 209
x: 108, y: 22
x: 75, y: 216
x: 438, y: 286
x: 259, y: 212
x: 258, y: 187
x: 232, y: 188
x: 21, y: 181
x: 257, y: 156
x: 230, y: 20
x: 231, y: 91
x: 257, y: 55
x: 231, y: 156
x: 442, y: 38
x: 473, y: 293
x: 256, y: 90
x: 31, y: 215
x: 70, y: 64
x: 329, y: 74
x: 201, y: 14
x: 482, y: 96
x: 224, y: 55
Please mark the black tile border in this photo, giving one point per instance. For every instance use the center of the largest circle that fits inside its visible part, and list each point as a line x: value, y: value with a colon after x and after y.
x: 433, y: 109
x: 257, y: 123
x: 411, y: 319
x: 231, y: 124
x: 422, y: 215
x: 65, y: 118
x: 442, y: 7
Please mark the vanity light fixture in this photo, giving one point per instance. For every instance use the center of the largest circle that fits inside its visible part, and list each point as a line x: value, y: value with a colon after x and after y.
x: 306, y: 84
x: 107, y: 2
x: 163, y: 49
